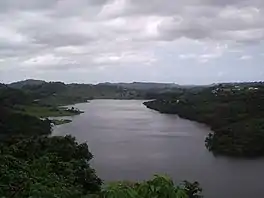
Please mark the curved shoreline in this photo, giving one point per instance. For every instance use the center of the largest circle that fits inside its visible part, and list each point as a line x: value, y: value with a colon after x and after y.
x: 215, y: 138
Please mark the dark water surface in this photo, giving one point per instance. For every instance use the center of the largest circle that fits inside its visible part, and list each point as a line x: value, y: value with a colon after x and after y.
x: 131, y: 142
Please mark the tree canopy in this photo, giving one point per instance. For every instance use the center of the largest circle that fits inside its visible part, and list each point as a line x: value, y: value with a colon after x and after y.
x: 46, y: 167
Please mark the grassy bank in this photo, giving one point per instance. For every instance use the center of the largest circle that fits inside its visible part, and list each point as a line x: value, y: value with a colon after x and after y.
x: 46, y: 111
x: 60, y: 122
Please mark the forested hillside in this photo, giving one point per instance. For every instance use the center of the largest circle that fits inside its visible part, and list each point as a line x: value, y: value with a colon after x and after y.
x: 13, y: 123
x: 58, y: 93
x: 234, y: 112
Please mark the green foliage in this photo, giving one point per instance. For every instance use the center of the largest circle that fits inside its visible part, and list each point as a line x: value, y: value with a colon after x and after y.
x: 46, y: 167
x: 235, y: 116
x: 158, y: 187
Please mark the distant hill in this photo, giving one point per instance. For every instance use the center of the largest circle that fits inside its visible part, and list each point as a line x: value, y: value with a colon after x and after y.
x: 2, y: 85
x: 145, y: 85
x: 134, y: 85
x: 28, y: 82
x: 59, y: 93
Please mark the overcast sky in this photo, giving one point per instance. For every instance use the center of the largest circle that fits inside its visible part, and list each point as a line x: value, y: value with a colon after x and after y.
x: 90, y: 41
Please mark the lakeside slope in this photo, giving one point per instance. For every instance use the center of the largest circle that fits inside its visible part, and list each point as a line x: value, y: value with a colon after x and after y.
x: 236, y: 115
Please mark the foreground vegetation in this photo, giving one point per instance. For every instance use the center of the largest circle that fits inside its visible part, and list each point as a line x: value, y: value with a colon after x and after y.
x: 158, y: 187
x: 235, y: 114
x: 33, y: 164
x: 46, y: 167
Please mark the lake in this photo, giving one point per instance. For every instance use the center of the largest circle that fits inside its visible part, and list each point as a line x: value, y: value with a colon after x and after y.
x: 131, y: 142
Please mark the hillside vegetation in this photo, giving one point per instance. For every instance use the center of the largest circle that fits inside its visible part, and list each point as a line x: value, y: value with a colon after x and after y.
x: 58, y: 93
x: 234, y: 112
x: 46, y: 167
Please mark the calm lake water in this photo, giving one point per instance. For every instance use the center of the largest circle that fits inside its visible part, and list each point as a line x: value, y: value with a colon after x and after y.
x: 131, y: 142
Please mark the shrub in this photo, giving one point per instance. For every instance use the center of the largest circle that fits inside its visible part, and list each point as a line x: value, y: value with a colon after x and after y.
x: 158, y: 187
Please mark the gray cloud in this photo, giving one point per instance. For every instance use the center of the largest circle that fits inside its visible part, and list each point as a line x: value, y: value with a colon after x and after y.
x: 12, y: 5
x: 62, y: 39
x: 91, y: 35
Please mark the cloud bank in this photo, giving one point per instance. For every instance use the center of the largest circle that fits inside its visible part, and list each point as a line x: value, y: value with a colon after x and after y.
x: 191, y: 41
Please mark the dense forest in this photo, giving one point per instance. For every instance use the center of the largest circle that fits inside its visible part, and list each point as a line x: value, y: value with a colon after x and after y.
x: 35, y: 164
x: 235, y: 112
